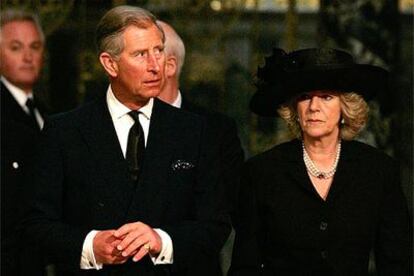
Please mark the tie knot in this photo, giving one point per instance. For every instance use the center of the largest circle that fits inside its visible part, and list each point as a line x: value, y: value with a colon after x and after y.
x: 134, y: 114
x: 30, y: 104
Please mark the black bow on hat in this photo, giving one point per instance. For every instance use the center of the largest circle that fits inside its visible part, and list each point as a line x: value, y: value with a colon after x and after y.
x: 286, y: 75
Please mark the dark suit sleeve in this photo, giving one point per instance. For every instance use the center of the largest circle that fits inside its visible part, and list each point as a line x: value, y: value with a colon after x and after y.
x: 231, y: 159
x: 43, y: 222
x: 246, y: 259
x: 393, y: 250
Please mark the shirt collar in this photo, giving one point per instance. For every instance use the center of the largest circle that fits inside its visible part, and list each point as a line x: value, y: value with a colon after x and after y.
x: 20, y: 95
x: 178, y: 101
x: 118, y: 110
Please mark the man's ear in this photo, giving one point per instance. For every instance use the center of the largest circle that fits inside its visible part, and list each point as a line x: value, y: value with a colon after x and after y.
x: 109, y: 64
x: 171, y: 66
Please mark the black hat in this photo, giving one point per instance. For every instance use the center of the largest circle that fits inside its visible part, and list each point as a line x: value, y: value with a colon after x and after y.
x: 285, y: 76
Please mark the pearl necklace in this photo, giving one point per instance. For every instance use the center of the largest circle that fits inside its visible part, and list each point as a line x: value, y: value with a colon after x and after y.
x: 313, y: 170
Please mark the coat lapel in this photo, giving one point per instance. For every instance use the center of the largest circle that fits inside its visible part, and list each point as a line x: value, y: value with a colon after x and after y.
x: 112, y: 179
x: 11, y: 110
x: 343, y: 177
x: 345, y: 174
x: 148, y: 201
x: 295, y: 167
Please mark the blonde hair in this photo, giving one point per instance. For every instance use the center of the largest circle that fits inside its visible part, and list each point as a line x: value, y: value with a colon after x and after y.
x: 354, y: 112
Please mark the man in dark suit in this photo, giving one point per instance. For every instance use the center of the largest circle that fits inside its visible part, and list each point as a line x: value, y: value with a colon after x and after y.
x: 228, y: 143
x: 127, y: 185
x: 224, y: 128
x: 21, y: 55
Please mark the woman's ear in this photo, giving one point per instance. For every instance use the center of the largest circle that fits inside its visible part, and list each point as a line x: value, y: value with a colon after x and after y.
x: 171, y: 66
x: 109, y: 64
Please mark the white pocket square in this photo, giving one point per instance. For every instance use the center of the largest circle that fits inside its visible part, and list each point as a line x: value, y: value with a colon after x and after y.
x: 182, y: 165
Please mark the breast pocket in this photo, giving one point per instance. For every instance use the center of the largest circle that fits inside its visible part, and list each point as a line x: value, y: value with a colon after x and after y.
x: 180, y: 186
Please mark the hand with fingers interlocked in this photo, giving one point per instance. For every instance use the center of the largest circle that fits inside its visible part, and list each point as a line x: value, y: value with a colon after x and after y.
x: 130, y: 240
x: 138, y: 239
x: 105, y: 248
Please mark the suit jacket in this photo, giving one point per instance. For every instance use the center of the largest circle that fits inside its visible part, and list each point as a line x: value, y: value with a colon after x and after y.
x: 231, y: 155
x: 11, y: 110
x: 83, y: 183
x: 18, y: 141
x: 285, y: 228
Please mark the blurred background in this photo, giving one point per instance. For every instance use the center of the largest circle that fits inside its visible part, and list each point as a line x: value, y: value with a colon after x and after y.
x: 226, y: 40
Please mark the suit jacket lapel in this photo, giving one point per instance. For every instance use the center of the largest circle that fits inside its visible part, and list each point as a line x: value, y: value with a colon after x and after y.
x: 295, y: 167
x: 148, y: 202
x: 343, y: 177
x: 11, y: 110
x: 115, y: 187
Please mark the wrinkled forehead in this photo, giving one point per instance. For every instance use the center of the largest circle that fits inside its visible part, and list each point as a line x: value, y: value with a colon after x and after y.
x: 145, y: 25
x: 139, y: 37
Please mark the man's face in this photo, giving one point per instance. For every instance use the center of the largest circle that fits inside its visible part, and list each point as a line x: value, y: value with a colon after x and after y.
x: 21, y: 53
x: 139, y: 73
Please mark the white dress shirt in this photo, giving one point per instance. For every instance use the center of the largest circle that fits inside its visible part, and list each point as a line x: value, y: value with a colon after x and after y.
x: 21, y: 97
x: 122, y: 123
x: 178, y: 101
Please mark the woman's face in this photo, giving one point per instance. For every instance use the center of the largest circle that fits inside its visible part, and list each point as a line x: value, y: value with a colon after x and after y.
x: 319, y: 114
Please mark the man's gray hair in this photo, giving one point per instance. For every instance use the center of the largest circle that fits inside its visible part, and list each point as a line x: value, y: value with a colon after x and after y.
x: 11, y: 15
x: 115, y: 21
x: 174, y: 45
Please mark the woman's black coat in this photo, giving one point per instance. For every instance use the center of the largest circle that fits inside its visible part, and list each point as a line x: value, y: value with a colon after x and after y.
x: 283, y: 227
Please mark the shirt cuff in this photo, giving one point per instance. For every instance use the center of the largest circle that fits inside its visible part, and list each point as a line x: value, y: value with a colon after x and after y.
x: 166, y: 253
x: 88, y: 260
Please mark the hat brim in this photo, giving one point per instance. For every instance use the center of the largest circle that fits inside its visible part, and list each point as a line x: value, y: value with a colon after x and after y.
x: 366, y: 80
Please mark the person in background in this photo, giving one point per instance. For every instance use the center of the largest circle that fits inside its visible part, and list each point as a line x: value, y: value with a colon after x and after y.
x: 175, y: 57
x: 224, y: 128
x: 126, y: 184
x: 228, y: 141
x: 21, y: 59
x: 319, y: 204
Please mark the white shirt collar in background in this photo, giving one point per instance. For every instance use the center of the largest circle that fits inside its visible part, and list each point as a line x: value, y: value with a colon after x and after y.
x: 178, y: 101
x: 20, y: 95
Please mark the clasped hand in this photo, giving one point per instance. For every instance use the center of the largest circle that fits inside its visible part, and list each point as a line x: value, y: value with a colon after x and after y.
x: 130, y: 240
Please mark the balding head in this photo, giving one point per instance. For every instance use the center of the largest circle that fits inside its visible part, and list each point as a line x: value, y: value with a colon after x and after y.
x: 174, y: 45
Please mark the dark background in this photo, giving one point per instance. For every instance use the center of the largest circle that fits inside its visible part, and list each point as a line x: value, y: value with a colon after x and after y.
x: 225, y: 42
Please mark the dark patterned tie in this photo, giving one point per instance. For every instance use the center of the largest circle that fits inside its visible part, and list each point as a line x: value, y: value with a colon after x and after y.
x: 135, y: 147
x: 32, y: 107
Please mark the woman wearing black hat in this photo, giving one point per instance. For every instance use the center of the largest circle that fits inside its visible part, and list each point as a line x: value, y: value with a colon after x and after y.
x: 319, y: 204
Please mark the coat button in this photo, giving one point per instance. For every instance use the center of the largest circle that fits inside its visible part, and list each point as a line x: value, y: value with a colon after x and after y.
x: 324, y: 254
x: 15, y: 165
x: 162, y: 258
x: 323, y: 226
